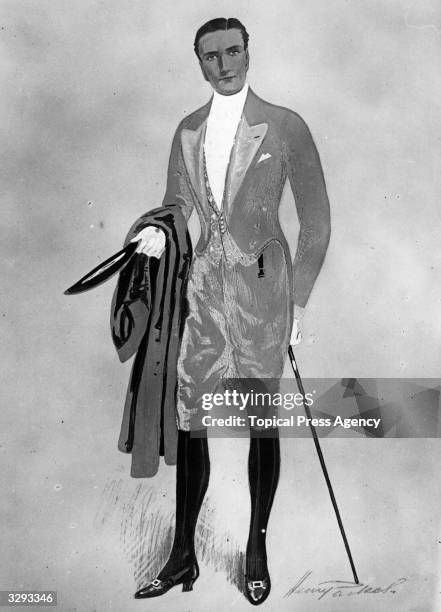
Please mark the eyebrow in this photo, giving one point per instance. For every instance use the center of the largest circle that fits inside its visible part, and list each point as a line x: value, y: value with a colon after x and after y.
x: 233, y: 48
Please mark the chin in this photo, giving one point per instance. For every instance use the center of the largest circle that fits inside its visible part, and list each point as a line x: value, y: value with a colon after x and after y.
x: 228, y: 89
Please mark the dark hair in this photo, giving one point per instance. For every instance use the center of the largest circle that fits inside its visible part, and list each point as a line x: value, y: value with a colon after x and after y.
x: 220, y: 23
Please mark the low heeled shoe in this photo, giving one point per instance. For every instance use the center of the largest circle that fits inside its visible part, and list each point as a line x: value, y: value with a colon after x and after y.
x: 187, y: 576
x: 256, y: 591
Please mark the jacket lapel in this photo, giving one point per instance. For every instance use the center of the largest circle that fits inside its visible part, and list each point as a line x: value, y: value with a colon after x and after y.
x: 192, y: 150
x: 247, y: 142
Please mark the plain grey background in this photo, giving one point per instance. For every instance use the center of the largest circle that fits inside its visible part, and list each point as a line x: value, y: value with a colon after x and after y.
x: 91, y: 93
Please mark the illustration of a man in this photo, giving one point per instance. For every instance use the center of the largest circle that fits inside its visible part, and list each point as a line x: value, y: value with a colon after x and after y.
x: 229, y: 161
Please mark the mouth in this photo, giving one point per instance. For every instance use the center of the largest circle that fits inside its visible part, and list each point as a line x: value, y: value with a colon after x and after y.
x: 227, y: 79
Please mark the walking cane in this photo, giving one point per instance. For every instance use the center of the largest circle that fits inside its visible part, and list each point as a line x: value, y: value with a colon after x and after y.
x: 322, y: 461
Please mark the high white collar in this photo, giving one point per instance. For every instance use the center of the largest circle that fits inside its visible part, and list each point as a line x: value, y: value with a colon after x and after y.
x: 229, y: 105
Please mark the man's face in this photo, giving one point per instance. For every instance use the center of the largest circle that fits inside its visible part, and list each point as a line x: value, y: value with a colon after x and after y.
x: 224, y: 60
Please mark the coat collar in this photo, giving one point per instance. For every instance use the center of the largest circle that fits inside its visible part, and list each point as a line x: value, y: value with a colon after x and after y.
x: 249, y: 137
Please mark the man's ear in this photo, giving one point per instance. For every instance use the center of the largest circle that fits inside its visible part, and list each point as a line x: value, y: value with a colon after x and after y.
x: 247, y: 58
x: 203, y: 71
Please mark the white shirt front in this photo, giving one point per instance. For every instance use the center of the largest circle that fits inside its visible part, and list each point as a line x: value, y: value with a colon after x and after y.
x: 222, y: 124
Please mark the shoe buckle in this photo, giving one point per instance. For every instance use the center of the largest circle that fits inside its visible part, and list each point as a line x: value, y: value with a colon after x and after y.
x: 257, y: 584
x: 156, y: 583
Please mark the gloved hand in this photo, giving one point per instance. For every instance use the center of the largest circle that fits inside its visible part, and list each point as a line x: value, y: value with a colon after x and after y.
x: 296, y: 334
x: 152, y: 241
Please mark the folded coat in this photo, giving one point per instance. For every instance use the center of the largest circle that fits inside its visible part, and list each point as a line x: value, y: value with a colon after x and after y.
x: 148, y: 312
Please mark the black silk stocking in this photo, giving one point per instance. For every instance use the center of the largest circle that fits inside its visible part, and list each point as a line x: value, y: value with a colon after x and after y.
x: 263, y: 474
x: 192, y: 476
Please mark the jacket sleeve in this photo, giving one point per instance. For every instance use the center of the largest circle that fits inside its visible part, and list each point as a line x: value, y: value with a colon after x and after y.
x: 178, y: 192
x: 309, y: 190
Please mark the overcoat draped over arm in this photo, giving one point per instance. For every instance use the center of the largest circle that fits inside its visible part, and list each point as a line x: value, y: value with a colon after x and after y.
x: 147, y: 317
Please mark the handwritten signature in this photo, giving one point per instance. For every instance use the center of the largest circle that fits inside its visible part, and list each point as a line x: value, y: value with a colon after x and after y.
x: 340, y: 588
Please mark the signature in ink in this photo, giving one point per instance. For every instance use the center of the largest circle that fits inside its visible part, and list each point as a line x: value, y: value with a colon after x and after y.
x: 340, y: 588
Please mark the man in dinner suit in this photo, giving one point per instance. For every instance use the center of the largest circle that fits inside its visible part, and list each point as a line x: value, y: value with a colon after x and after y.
x: 230, y: 160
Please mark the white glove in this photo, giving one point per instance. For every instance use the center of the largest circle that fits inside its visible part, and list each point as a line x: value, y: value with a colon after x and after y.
x: 296, y: 334
x: 152, y: 241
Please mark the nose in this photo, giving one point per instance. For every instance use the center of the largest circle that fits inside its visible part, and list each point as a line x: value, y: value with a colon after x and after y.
x: 223, y: 64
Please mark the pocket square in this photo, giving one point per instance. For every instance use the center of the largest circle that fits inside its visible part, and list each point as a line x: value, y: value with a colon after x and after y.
x: 263, y: 157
